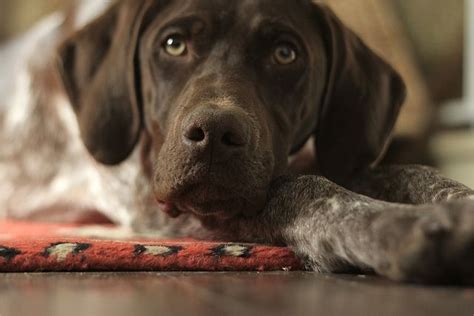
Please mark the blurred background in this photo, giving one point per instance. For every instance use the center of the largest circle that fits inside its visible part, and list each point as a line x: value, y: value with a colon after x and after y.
x: 426, y: 40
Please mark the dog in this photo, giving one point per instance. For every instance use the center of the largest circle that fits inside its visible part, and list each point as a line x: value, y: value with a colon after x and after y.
x: 250, y: 120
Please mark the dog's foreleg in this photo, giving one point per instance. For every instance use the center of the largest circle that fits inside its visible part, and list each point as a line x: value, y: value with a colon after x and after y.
x: 410, y: 184
x: 334, y: 229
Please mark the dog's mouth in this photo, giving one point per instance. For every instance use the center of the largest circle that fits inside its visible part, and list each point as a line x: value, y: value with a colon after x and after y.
x: 206, y: 200
x: 206, y: 210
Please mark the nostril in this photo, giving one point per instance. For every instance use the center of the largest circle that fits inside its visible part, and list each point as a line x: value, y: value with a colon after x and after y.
x: 232, y: 139
x: 195, y: 134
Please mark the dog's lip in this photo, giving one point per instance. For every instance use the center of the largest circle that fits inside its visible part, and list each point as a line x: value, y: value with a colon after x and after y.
x: 205, y: 210
x: 196, y: 192
x: 169, y: 208
x: 220, y: 214
x: 220, y: 203
x: 174, y: 207
x: 174, y: 211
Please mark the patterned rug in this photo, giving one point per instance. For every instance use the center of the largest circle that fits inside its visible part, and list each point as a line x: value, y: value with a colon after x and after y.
x: 36, y: 247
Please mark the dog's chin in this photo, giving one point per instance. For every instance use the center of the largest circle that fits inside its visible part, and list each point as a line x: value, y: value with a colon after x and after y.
x: 205, y: 201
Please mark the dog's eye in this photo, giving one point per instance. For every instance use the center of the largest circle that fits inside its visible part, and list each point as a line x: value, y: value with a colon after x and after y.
x: 284, y: 54
x: 175, y: 45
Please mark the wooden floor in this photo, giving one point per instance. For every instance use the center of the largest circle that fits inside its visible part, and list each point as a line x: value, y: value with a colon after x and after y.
x: 135, y: 294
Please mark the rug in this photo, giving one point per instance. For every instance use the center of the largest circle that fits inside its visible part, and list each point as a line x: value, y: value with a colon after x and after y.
x: 40, y: 247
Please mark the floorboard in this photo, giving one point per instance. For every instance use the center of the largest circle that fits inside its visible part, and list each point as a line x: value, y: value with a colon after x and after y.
x: 293, y: 293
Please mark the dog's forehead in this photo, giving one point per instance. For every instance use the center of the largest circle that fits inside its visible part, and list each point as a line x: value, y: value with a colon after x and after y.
x: 251, y: 11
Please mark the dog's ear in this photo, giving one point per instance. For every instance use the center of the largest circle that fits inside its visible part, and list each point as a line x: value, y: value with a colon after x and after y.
x: 98, y: 67
x: 361, y: 101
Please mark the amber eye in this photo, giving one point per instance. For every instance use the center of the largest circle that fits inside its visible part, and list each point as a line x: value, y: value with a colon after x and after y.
x: 285, y: 54
x: 175, y: 45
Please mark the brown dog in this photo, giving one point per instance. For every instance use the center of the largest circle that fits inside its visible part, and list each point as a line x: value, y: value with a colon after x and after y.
x: 223, y: 100
x: 209, y: 98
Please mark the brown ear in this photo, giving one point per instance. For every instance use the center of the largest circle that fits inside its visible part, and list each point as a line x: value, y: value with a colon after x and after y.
x: 98, y: 66
x: 362, y: 100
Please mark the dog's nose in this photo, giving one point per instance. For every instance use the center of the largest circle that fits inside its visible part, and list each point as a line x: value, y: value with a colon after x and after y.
x: 225, y: 132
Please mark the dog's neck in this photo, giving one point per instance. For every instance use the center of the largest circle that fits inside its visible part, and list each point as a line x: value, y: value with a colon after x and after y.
x: 304, y: 161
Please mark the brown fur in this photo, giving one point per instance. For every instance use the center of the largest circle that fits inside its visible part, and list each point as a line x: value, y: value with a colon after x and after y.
x: 214, y: 128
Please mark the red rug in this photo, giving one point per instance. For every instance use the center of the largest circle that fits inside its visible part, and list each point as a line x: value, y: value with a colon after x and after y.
x: 33, y: 247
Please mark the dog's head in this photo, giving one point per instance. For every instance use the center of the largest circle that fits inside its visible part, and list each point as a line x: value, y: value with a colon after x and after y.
x: 226, y: 91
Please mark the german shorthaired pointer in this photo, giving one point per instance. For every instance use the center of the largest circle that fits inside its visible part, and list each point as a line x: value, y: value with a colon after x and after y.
x: 191, y: 117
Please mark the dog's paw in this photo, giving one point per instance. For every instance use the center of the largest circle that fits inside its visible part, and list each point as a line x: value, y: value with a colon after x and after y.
x: 432, y: 245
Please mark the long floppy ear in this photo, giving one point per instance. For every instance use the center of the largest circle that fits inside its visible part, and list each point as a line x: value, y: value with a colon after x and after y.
x: 360, y: 105
x: 98, y: 67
